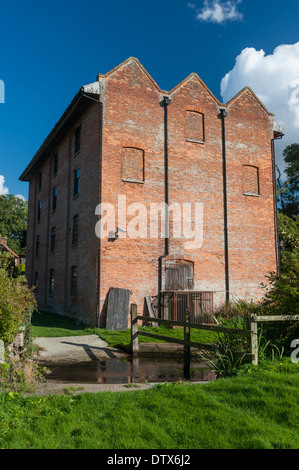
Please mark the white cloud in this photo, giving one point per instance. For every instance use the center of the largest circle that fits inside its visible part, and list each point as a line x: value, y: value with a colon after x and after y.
x: 21, y: 197
x: 217, y: 11
x: 275, y: 80
x: 3, y: 188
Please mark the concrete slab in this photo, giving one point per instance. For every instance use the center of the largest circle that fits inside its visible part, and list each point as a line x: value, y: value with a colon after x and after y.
x: 74, y: 348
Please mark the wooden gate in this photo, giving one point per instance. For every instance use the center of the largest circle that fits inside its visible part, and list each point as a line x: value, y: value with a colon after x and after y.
x: 199, y: 304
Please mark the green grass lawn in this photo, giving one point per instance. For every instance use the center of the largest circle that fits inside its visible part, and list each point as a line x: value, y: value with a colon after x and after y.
x: 256, y: 410
x: 51, y: 325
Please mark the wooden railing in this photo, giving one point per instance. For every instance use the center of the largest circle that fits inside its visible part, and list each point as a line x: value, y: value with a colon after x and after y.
x: 255, y: 319
x: 186, y: 342
x: 252, y: 334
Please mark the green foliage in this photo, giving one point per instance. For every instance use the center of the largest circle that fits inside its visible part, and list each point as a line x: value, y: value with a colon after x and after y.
x: 282, y: 290
x: 21, y: 375
x: 17, y: 303
x: 19, y: 270
x: 236, y: 311
x: 13, y: 222
x: 258, y: 409
x: 291, y: 196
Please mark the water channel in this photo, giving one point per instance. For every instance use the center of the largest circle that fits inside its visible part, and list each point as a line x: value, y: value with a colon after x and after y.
x: 126, y: 371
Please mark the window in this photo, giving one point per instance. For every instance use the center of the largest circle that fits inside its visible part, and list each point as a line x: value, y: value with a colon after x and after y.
x: 54, y: 199
x: 53, y: 236
x: 77, y: 140
x: 195, y: 126
x: 251, y: 180
x: 74, y: 281
x: 37, y: 246
x: 39, y: 181
x: 75, y: 230
x: 133, y: 165
x: 39, y: 206
x: 51, y: 282
x: 36, y: 280
x: 55, y: 164
x: 76, y: 181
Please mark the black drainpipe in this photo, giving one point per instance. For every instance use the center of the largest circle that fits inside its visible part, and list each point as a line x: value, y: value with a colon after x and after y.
x: 166, y: 101
x: 100, y: 198
x: 223, y: 114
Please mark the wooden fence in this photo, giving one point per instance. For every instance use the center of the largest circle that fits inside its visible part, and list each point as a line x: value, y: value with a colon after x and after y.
x: 255, y: 319
x: 252, y: 334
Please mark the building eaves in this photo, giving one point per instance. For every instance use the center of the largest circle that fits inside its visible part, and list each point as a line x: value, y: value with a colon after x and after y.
x: 79, y: 103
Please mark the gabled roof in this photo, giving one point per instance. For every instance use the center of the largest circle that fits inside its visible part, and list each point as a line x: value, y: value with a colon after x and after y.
x: 244, y: 90
x: 194, y: 75
x: 82, y: 100
x: 124, y: 64
x: 174, y: 90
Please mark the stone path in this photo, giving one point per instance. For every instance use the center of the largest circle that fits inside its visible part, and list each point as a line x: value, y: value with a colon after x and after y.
x: 75, y: 348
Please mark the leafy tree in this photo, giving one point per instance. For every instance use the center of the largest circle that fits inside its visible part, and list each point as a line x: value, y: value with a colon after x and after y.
x: 17, y: 301
x: 13, y: 222
x: 291, y: 196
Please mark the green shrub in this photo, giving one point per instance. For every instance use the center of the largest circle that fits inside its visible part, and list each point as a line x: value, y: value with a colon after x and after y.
x: 17, y: 303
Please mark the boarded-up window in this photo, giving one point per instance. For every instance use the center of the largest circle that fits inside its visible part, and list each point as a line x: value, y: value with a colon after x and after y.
x: 195, y: 126
x: 250, y: 179
x: 133, y: 164
x: 179, y: 275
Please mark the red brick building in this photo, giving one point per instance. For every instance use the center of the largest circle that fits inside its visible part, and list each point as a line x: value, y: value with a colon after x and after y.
x: 124, y: 136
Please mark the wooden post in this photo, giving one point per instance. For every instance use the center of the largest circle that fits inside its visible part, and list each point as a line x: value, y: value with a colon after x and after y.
x: 134, y: 330
x: 186, y: 348
x: 254, y: 340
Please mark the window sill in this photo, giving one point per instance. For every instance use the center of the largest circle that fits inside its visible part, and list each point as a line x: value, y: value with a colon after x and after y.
x: 251, y: 194
x: 76, y: 195
x: 75, y: 154
x: 127, y: 180
x: 74, y: 245
x: 196, y: 141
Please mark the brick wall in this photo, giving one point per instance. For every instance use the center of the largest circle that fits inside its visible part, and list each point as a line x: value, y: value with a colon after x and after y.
x: 133, y: 167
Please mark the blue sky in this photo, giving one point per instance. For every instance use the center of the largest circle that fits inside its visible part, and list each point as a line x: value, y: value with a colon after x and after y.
x: 51, y: 48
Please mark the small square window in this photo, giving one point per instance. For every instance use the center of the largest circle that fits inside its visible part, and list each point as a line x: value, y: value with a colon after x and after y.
x: 195, y: 126
x: 76, y: 181
x: 53, y: 239
x: 39, y: 207
x: 55, y: 164
x: 74, y: 281
x: 36, y: 280
x: 75, y: 230
x: 51, y: 282
x: 251, y: 180
x: 133, y: 165
x: 40, y: 177
x: 37, y: 246
x: 54, y: 199
x: 77, y: 140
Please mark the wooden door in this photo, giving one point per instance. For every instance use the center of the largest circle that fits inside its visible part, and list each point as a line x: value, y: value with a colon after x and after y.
x: 179, y: 275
